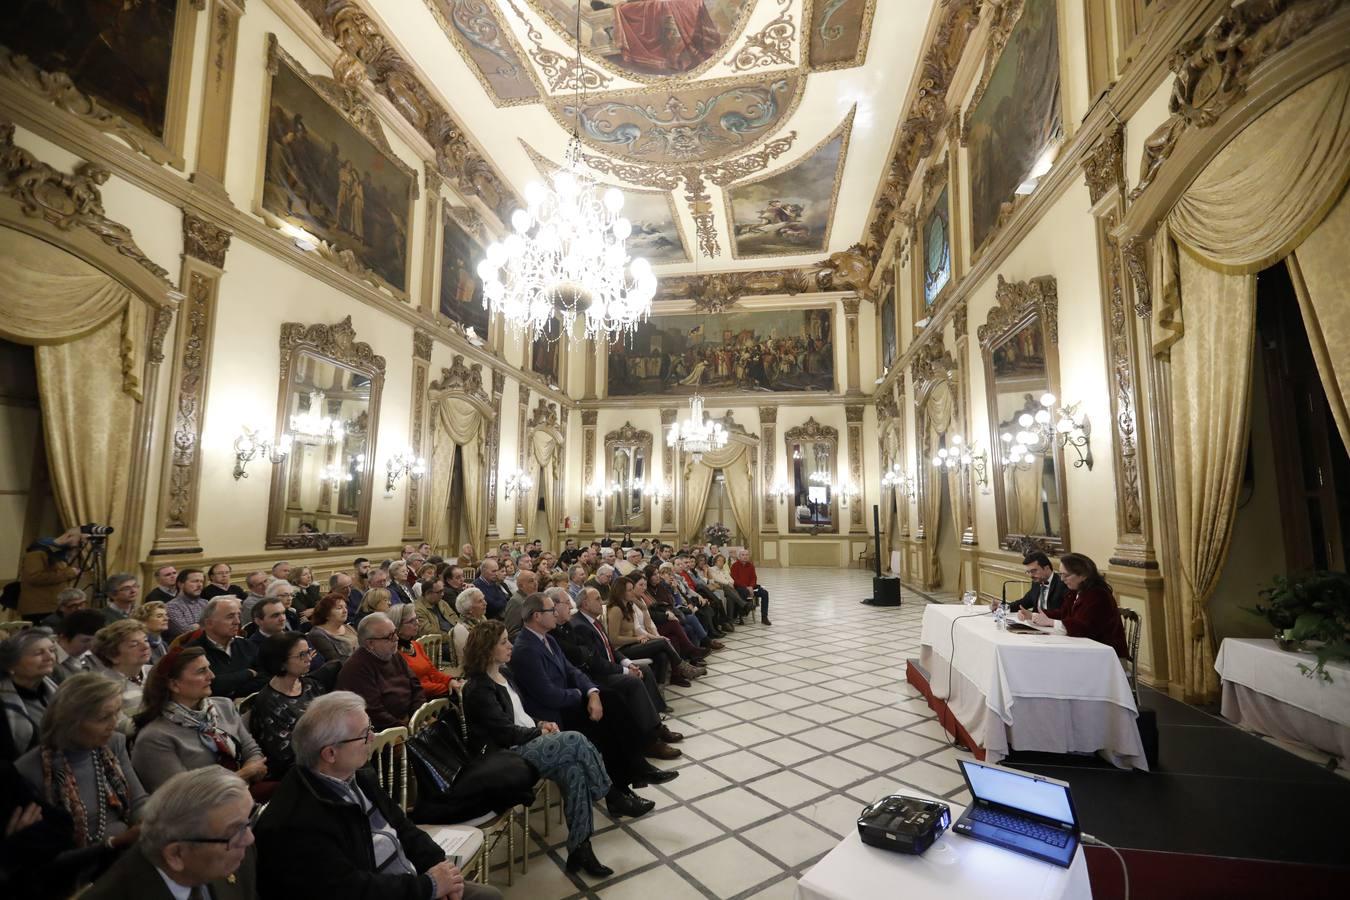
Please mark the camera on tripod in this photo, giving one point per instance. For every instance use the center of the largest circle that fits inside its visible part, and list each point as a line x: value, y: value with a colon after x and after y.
x: 91, y: 559
x: 96, y: 532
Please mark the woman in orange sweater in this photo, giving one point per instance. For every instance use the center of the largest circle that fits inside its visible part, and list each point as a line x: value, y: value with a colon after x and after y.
x: 1089, y: 609
x: 435, y: 683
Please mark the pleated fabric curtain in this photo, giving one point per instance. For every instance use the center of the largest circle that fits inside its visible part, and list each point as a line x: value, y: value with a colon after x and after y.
x: 89, y: 336
x: 734, y: 461
x: 544, y: 449
x: 455, y: 424
x: 938, y: 409
x: 1262, y: 197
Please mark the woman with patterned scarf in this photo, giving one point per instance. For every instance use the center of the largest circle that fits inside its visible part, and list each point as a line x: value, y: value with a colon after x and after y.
x: 81, y: 765
x: 182, y: 727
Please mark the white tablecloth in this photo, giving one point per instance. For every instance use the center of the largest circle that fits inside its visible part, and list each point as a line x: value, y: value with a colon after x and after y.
x: 954, y: 868
x: 1264, y: 690
x: 1048, y: 692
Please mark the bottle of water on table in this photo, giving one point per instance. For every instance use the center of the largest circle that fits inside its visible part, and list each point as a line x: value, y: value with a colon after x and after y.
x: 1001, y: 616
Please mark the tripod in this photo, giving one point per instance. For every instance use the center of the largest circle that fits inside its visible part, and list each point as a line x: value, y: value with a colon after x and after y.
x: 92, y: 561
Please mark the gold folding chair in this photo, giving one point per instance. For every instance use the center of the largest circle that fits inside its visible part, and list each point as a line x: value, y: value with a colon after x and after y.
x: 391, y: 763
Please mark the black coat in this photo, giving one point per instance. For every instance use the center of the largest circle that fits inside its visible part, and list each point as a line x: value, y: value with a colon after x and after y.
x: 311, y: 844
x: 237, y: 673
x: 1053, y: 602
x: 492, y: 722
x: 585, y: 650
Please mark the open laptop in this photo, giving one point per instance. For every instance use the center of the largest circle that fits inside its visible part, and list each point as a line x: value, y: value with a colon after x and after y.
x: 1023, y: 813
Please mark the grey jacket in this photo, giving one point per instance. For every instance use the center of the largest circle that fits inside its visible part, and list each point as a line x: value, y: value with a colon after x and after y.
x: 163, y: 749
x: 23, y: 719
x: 82, y: 764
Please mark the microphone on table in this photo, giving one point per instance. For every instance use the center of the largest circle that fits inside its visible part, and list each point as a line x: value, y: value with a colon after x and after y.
x: 1005, y: 587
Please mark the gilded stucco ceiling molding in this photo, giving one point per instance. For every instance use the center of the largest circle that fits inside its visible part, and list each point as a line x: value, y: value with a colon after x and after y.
x: 67, y: 201
x: 1104, y: 164
x: 563, y: 71
x: 927, y: 111
x: 58, y: 89
x: 852, y: 269
x: 843, y: 132
x: 565, y: 29
x: 474, y: 28
x: 771, y: 45
x: 720, y: 291
x: 822, y: 18
x: 460, y: 378
x: 1213, y: 69
x: 365, y: 50
x: 1014, y: 302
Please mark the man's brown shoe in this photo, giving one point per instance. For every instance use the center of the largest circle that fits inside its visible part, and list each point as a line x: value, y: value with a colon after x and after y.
x: 662, y: 750
x: 670, y: 737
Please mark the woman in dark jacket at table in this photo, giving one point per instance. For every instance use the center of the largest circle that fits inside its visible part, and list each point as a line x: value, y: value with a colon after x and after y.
x: 1089, y: 609
x: 497, y: 721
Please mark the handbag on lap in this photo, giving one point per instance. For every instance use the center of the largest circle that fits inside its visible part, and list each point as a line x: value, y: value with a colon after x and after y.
x: 454, y: 785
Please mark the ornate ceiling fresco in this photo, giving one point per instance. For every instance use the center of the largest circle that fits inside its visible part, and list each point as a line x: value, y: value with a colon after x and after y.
x: 744, y: 133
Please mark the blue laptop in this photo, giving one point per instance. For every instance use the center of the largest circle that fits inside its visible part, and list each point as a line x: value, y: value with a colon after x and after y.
x: 1020, y: 812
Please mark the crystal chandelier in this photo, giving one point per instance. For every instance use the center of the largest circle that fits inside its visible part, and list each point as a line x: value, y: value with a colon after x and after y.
x: 314, y: 425
x: 567, y: 254
x: 697, y: 435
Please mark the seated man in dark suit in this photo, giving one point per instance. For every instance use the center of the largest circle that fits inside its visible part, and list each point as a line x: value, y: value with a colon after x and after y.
x: 587, y: 647
x: 1047, y: 589
x: 195, y: 841
x: 233, y: 659
x: 489, y: 581
x: 554, y: 690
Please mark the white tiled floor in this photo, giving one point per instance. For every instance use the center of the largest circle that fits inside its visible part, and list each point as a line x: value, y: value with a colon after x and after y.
x: 795, y: 727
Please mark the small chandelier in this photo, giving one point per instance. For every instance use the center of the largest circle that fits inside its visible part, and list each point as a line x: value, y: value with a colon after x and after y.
x: 1068, y: 426
x: 314, y: 425
x: 697, y: 434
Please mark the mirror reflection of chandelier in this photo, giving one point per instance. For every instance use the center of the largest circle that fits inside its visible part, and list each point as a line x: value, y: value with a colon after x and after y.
x: 315, y: 426
x: 697, y: 434
x: 1039, y: 431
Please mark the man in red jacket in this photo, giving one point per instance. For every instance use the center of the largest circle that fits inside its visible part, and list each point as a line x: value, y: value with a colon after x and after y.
x: 743, y: 573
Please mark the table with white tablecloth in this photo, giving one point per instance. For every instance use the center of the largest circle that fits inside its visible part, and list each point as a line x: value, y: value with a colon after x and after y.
x: 1046, y: 691
x: 1265, y: 691
x: 954, y: 868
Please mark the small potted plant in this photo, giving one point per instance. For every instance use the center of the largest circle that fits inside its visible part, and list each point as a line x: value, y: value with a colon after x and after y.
x: 717, y: 535
x: 1310, y: 612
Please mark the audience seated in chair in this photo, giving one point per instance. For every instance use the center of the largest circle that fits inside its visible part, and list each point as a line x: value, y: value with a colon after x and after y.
x: 435, y: 614
x: 489, y: 581
x: 379, y: 674
x: 74, y: 640
x: 330, y: 634
x: 527, y: 583
x: 744, y: 575
x: 27, y: 661
x: 155, y: 617
x: 435, y: 683
x: 122, y: 652
x: 186, y: 607
x: 285, y: 659
x: 234, y: 659
x: 472, y: 609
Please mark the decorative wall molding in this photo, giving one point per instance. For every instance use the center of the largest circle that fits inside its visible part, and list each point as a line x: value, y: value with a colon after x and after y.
x: 492, y: 450
x: 412, y: 502
x: 1104, y: 164
x: 422, y: 343
x: 770, y: 46
x: 811, y: 430
x: 853, y: 416
x: 204, y: 240
x: 768, y: 425
x: 589, y: 418
x: 1134, y: 251
x: 460, y: 378
x: 1015, y: 300
x: 337, y: 342
x: 668, y: 417
x: 544, y: 415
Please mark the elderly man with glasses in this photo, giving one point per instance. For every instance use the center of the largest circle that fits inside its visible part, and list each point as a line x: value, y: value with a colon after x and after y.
x: 379, y: 674
x: 196, y: 841
x: 354, y: 840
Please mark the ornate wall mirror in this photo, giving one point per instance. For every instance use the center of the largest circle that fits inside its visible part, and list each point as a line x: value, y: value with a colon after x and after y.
x: 329, y: 404
x: 811, y: 452
x: 1019, y: 341
x: 628, y: 453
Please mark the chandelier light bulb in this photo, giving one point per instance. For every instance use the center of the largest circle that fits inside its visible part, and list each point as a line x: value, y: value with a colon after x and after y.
x: 1047, y: 399
x: 1025, y: 420
x: 1043, y: 416
x: 956, y: 440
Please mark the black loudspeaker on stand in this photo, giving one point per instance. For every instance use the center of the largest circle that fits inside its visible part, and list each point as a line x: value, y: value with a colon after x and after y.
x: 885, y: 589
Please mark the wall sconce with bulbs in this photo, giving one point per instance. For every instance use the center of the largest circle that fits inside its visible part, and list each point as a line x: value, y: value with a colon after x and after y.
x: 658, y: 494
x: 517, y: 482
x: 251, y: 445
x: 1071, y: 428
x: 898, y: 479
x: 782, y: 490
x: 597, y: 493
x: 847, y: 491
x: 404, y: 462
x: 965, y: 456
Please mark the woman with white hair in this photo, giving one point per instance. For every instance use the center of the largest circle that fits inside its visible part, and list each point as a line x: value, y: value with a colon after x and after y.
x: 398, y: 583
x: 472, y: 608
x: 81, y: 764
x: 27, y: 661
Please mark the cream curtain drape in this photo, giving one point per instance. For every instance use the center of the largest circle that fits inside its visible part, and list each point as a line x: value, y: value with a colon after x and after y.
x: 697, y: 488
x: 938, y: 409
x: 734, y: 461
x: 1320, y: 271
x: 545, y: 451
x: 456, y: 423
x: 1026, y: 498
x: 1260, y: 197
x: 740, y: 493
x: 49, y: 296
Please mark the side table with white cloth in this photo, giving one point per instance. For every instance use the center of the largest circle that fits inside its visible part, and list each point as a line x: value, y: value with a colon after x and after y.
x: 954, y: 867
x: 1047, y: 692
x: 1265, y: 691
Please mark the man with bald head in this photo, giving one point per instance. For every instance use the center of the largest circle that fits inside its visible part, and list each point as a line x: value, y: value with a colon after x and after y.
x: 527, y: 583
x: 380, y: 674
x: 489, y: 581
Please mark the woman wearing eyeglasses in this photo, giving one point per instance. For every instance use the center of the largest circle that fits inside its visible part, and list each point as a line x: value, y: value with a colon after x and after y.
x: 181, y: 726
x: 286, y: 658
x: 122, y: 651
x: 435, y: 683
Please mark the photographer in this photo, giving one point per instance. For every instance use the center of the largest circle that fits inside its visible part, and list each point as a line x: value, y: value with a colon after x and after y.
x: 47, y: 571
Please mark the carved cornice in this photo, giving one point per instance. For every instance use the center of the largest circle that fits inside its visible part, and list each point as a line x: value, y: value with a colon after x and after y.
x: 544, y: 415
x: 853, y: 414
x: 708, y: 291
x: 811, y: 430
x: 1014, y: 301
x: 204, y: 240
x: 768, y: 415
x: 66, y: 201
x: 337, y: 342
x: 422, y: 346
x: 851, y: 269
x: 629, y: 436
x: 1104, y: 164
x: 935, y: 176
x: 715, y: 293
x: 366, y: 54
x: 589, y: 418
x: 1213, y: 69
x: 461, y: 379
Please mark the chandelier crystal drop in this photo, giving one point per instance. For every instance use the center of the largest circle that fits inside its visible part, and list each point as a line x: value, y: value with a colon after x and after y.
x: 697, y: 434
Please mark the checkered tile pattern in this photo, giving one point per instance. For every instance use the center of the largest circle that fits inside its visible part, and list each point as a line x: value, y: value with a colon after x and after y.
x: 794, y: 729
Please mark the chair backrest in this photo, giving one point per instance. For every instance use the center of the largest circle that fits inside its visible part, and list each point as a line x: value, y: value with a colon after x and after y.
x: 1133, y: 626
x: 426, y: 714
x: 9, y: 629
x: 245, y: 707
x: 390, y: 759
x: 432, y: 644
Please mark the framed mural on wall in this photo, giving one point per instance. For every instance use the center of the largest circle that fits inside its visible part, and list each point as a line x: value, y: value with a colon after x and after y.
x: 887, y: 325
x: 461, y: 294
x: 324, y: 174
x: 790, y: 211
x: 936, y: 244
x: 760, y: 350
x: 1015, y: 116
x: 134, y: 59
x: 546, y: 353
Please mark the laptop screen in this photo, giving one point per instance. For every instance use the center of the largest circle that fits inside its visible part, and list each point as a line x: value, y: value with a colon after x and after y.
x: 1013, y: 789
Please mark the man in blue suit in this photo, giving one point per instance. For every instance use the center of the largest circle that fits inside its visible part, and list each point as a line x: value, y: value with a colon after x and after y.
x: 554, y: 690
x: 489, y: 581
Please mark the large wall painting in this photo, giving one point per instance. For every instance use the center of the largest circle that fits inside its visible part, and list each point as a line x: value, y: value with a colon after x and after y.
x: 886, y: 312
x: 838, y: 33
x: 546, y: 353
x: 1016, y: 119
x: 937, y: 250
x: 461, y: 296
x: 120, y: 53
x: 657, y: 235
x: 323, y: 174
x: 790, y: 211
x: 477, y: 31
x: 701, y: 121
x: 779, y: 350
x: 650, y: 40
